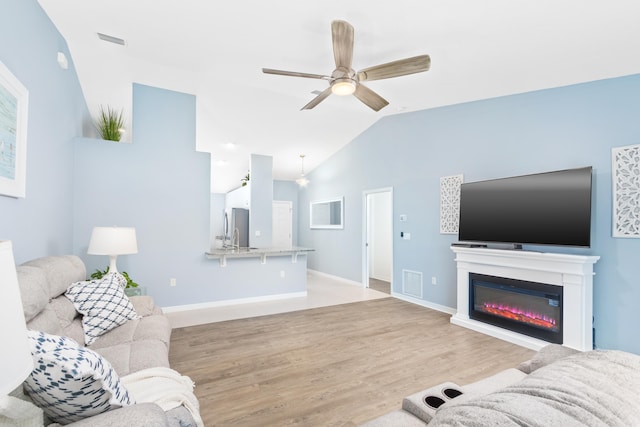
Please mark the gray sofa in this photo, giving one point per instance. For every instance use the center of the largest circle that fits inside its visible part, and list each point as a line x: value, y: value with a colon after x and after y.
x: 558, y: 386
x: 136, y: 345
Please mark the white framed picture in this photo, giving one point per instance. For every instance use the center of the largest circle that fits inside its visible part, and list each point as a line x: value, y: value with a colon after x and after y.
x: 14, y: 99
x: 625, y: 176
x: 450, y: 203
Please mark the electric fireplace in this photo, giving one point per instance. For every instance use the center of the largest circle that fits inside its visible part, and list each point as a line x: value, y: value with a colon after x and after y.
x: 529, y: 308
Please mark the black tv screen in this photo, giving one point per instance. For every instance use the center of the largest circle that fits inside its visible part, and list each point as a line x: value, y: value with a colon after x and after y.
x: 551, y: 208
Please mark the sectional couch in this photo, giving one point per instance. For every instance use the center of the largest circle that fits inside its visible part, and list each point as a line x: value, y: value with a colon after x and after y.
x: 557, y: 387
x: 137, y: 349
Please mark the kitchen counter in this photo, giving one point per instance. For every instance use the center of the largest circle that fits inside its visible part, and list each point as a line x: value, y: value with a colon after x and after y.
x: 225, y: 253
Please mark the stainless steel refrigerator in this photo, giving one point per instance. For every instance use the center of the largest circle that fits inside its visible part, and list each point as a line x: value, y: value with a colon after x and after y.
x: 237, y: 218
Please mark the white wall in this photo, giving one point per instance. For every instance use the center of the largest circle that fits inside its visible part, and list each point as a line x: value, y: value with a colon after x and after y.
x: 288, y: 191
x: 217, y: 208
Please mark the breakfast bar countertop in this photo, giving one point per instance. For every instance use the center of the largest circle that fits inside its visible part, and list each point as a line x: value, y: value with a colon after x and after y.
x: 223, y: 253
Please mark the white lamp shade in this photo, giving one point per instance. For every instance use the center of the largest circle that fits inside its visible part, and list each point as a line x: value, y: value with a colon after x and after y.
x: 17, y: 363
x: 113, y: 241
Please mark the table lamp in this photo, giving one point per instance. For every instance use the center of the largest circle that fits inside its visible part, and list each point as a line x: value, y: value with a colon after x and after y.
x: 17, y: 362
x: 113, y: 241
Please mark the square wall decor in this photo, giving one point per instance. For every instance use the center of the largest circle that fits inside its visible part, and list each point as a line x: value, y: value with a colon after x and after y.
x: 450, y: 203
x: 625, y: 174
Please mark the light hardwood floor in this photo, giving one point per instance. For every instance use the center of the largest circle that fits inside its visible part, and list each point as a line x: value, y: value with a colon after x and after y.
x: 332, y: 366
x: 380, y: 285
x: 322, y: 291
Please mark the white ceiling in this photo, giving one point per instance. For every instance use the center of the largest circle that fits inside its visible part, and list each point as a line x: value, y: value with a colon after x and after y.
x: 216, y: 49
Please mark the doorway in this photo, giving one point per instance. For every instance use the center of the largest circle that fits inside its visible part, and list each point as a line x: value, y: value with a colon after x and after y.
x: 282, y: 229
x: 377, y: 269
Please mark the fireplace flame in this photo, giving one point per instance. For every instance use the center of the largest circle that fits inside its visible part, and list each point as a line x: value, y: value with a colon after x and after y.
x: 519, y: 315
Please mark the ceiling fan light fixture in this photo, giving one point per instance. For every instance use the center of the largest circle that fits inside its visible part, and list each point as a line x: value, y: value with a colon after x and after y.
x: 344, y: 86
x: 344, y: 80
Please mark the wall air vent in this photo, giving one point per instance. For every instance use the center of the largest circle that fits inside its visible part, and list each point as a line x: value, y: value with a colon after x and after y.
x: 111, y: 39
x: 412, y: 283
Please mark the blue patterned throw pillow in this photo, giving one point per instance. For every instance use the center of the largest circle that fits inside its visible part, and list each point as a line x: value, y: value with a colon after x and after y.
x: 70, y: 382
x: 103, y: 304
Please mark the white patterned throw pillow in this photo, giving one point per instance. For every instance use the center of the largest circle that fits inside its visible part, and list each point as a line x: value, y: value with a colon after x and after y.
x: 103, y: 304
x: 70, y: 382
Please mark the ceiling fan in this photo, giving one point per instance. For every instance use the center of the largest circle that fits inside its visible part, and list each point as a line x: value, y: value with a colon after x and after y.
x: 345, y: 81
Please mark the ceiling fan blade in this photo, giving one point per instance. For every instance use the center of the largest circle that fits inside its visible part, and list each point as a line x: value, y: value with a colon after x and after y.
x: 369, y: 97
x: 318, y: 99
x: 294, y: 74
x: 402, y: 67
x: 342, y: 35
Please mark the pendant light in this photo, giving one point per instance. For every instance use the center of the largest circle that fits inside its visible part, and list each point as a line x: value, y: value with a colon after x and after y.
x: 302, y: 181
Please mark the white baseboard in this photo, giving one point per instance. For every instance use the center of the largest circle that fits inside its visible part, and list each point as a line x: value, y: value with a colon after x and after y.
x: 223, y: 303
x: 332, y: 277
x: 427, y: 304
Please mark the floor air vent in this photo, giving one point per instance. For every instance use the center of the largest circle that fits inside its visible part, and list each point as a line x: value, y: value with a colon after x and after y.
x: 412, y: 283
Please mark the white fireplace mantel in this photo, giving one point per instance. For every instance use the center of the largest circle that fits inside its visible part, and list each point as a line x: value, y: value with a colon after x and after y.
x: 573, y: 272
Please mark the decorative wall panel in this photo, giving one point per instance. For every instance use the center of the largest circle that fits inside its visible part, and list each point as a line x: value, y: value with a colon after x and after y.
x: 450, y: 203
x: 625, y: 174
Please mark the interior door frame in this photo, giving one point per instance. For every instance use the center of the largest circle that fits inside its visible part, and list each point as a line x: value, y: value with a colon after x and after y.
x: 365, y: 233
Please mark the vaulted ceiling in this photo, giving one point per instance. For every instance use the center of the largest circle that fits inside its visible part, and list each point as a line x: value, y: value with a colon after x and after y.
x: 216, y: 51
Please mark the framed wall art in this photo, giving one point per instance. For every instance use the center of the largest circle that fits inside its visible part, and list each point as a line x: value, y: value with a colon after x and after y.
x: 14, y: 99
x: 625, y: 175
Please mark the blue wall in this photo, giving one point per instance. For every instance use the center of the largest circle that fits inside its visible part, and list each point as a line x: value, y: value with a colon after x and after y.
x: 41, y: 223
x: 159, y: 184
x: 533, y: 132
x: 261, y: 196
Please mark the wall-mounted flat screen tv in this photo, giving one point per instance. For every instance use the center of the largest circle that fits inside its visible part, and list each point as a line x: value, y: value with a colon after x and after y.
x: 551, y: 208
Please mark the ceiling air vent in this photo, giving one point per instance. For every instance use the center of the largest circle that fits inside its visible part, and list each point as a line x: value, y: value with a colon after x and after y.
x: 111, y: 39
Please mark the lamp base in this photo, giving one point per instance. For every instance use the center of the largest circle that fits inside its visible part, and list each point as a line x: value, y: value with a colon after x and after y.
x: 112, y: 264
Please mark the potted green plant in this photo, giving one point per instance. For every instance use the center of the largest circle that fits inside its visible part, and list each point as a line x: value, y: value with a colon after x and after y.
x: 130, y: 288
x: 245, y: 180
x: 110, y: 124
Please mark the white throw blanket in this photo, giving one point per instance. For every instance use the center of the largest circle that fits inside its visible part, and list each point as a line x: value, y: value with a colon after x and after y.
x: 164, y: 387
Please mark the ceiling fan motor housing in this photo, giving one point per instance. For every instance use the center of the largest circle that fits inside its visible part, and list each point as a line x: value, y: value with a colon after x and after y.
x: 343, y: 81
